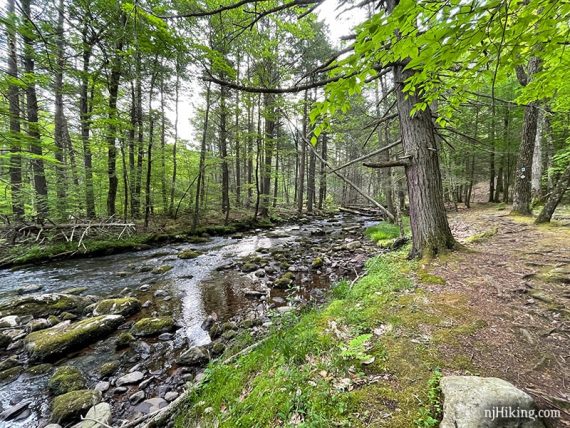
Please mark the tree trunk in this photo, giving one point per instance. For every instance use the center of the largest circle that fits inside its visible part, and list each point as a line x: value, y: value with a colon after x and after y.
x: 536, y: 176
x: 430, y: 229
x: 40, y: 183
x: 14, y: 111
x: 555, y: 197
x: 148, y: 187
x: 59, y: 134
x: 114, y: 79
x: 224, y: 154
x: 202, y: 165
x: 302, y: 158
x: 164, y: 190
x: 311, y: 188
x: 269, y: 133
x: 85, y: 119
x: 522, y: 185
x: 323, y: 172
x: 175, y: 144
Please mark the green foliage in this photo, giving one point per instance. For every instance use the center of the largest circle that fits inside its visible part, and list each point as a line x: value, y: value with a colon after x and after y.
x: 430, y: 415
x: 356, y: 348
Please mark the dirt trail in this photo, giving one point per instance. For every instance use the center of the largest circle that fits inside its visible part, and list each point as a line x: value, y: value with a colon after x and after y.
x: 515, y: 278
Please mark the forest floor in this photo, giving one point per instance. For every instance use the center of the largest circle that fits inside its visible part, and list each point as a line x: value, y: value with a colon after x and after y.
x: 373, y: 355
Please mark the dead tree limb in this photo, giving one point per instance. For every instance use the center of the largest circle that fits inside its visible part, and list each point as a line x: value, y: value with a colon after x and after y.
x: 361, y: 158
x: 387, y: 164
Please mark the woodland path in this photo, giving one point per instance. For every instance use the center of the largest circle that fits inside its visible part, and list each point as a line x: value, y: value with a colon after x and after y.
x: 513, y: 278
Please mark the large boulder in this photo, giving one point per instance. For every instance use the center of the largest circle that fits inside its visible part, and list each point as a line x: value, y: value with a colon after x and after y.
x: 153, y: 326
x: 479, y: 402
x: 66, y: 379
x: 194, y: 357
x: 44, y: 305
x: 69, y: 407
x: 56, y: 341
x: 125, y: 306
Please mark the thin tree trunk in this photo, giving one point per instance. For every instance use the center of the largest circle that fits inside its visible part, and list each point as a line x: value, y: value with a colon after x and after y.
x: 59, y: 134
x: 536, y: 176
x: 175, y: 145
x: 40, y: 183
x: 269, y: 133
x: 202, y: 165
x: 148, y: 188
x: 164, y: 190
x: 14, y: 110
x: 224, y: 154
x: 302, y: 160
x: 323, y: 172
x: 555, y: 197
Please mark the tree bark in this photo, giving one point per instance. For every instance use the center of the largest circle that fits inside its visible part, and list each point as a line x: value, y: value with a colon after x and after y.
x: 323, y: 172
x: 40, y: 183
x: 224, y: 154
x: 14, y: 111
x: 269, y: 140
x: 302, y: 158
x: 175, y: 144
x: 555, y: 197
x: 202, y: 165
x: 536, y: 175
x: 522, y: 185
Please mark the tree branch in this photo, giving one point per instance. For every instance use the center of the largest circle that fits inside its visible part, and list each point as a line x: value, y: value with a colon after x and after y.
x: 388, y: 164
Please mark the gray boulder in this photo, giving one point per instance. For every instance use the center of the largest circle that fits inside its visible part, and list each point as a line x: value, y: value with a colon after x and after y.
x: 479, y: 402
x: 96, y: 417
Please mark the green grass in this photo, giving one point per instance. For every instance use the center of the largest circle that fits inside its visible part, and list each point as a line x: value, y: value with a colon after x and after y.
x: 384, y: 233
x: 350, y: 363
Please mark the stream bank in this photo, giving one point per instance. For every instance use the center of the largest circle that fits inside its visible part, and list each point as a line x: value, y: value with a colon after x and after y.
x: 133, y: 329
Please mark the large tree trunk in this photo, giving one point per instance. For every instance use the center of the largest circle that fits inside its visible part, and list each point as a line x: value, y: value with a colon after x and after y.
x: 430, y: 229
x: 164, y: 190
x: 40, y: 183
x: 224, y: 153
x: 14, y: 110
x: 60, y: 131
x: 85, y: 119
x: 148, y: 187
x: 555, y: 197
x: 522, y: 185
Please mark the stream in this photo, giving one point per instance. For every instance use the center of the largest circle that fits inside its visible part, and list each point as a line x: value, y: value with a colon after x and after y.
x: 231, y: 284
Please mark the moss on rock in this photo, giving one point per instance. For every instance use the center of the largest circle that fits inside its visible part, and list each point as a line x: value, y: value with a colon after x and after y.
x: 66, y: 379
x: 69, y: 407
x: 152, y: 326
x: 284, y: 280
x: 39, y: 369
x: 124, y: 340
x: 44, y: 305
x: 188, y: 254
x: 56, y: 341
x: 161, y: 269
x: 10, y: 375
x: 125, y: 306
x: 109, y: 368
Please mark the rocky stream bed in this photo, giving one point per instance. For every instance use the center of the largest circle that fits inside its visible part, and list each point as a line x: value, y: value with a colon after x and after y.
x: 122, y: 336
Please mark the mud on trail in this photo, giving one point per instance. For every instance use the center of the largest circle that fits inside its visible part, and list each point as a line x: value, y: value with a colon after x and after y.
x: 511, y: 280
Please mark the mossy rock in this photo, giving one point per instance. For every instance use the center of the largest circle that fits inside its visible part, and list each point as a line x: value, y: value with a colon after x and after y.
x: 53, y: 320
x: 56, y: 341
x: 39, y: 369
x: 152, y: 326
x: 317, y: 262
x: 70, y: 407
x: 124, y: 340
x: 75, y: 290
x: 188, y: 254
x: 45, y: 305
x: 249, y: 267
x: 161, y: 269
x: 68, y: 316
x: 108, y: 368
x: 10, y: 375
x: 66, y: 379
x: 198, y: 239
x: 284, y: 280
x: 125, y: 306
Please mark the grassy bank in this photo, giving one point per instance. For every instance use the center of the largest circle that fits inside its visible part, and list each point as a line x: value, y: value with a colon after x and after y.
x: 368, y: 358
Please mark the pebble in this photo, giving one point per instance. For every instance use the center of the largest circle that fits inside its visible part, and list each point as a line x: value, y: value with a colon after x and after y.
x: 137, y: 397
x: 120, y: 390
x: 166, y: 336
x: 129, y: 379
x: 171, y: 396
x: 102, y: 386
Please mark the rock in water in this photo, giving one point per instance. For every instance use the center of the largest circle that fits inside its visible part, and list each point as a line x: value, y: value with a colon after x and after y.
x: 469, y: 402
x: 151, y: 405
x: 126, y: 307
x: 128, y: 379
x: 66, y: 379
x: 153, y: 326
x: 69, y: 407
x: 11, y: 412
x: 97, y: 415
x: 56, y: 341
x: 194, y: 357
x: 45, y: 305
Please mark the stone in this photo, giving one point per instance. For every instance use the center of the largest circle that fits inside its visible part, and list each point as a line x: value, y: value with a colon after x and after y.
x: 39, y: 324
x: 75, y: 290
x: 171, y: 396
x: 354, y: 245
x: 69, y: 407
x: 11, y: 321
x: 166, y: 336
x: 285, y: 309
x: 96, y: 416
x: 151, y: 405
x: 147, y: 304
x: 120, y: 390
x: 108, y: 368
x: 130, y: 378
x: 125, y: 306
x: 66, y: 379
x: 218, y: 348
x: 59, y: 340
x: 467, y: 397
x: 124, y: 340
x: 53, y: 426
x: 67, y: 316
x: 153, y: 326
x: 317, y: 263
x: 29, y: 288
x: 160, y: 293
x: 44, y: 305
x: 188, y: 254
x: 39, y: 369
x: 161, y: 269
x: 137, y: 397
x: 10, y: 375
x: 102, y: 386
x: 284, y: 280
x: 193, y: 357
x: 229, y: 334
x: 8, y: 363
x: 15, y: 410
